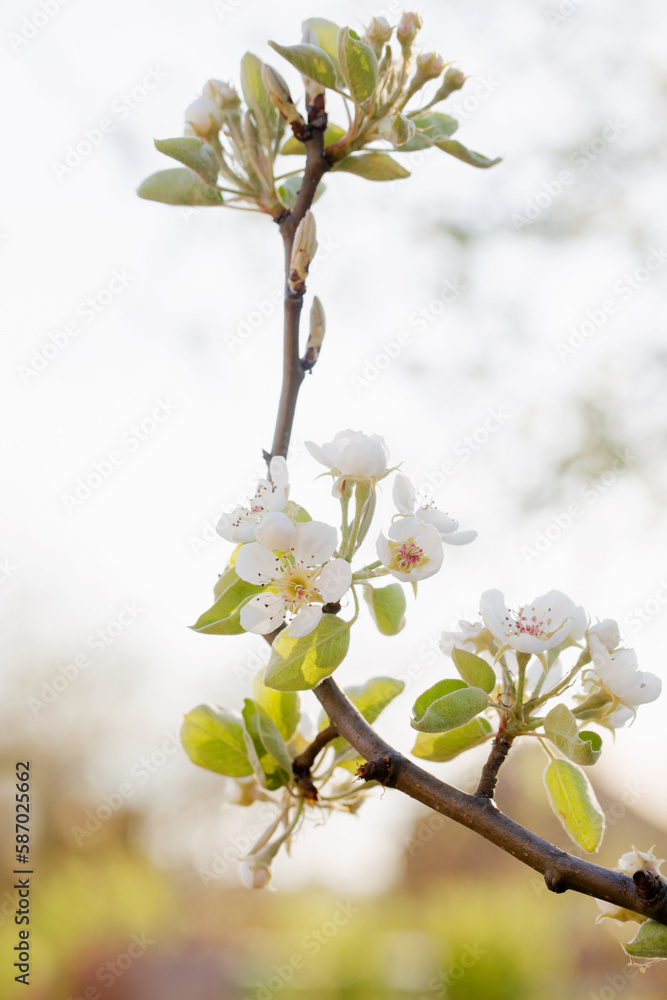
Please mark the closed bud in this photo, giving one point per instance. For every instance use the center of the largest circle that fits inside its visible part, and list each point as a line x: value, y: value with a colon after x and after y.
x: 453, y: 80
x: 203, y: 118
x: 429, y: 66
x: 303, y: 251
x: 396, y: 129
x: 223, y: 96
x: 254, y: 873
x: 280, y: 95
x: 406, y: 32
x: 377, y: 34
x: 317, y: 327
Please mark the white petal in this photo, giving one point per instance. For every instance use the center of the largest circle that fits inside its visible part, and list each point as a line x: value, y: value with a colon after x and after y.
x: 306, y: 620
x: 493, y: 610
x: 404, y: 495
x: 459, y: 537
x: 263, y: 613
x: 334, y: 580
x: 318, y: 453
x: 235, y: 526
x: 314, y: 542
x: 607, y: 632
x: 279, y: 474
x: 277, y: 531
x: 443, y: 522
x: 382, y: 549
x: 256, y: 564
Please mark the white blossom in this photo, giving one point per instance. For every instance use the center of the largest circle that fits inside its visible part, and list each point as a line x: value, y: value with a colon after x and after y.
x: 635, y: 861
x: 618, y: 672
x: 241, y: 524
x: 466, y: 638
x: 408, y: 504
x: 607, y: 632
x: 203, y: 117
x: 254, y: 874
x: 293, y: 563
x: 352, y: 455
x: 547, y: 622
x: 411, y: 550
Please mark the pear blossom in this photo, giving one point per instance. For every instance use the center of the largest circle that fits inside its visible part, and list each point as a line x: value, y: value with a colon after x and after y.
x: 203, y: 117
x: 607, y: 632
x: 547, y: 622
x: 254, y: 874
x: 240, y: 525
x: 635, y: 861
x: 618, y: 672
x: 293, y: 563
x: 411, y: 550
x: 408, y: 504
x: 467, y: 637
x: 352, y: 455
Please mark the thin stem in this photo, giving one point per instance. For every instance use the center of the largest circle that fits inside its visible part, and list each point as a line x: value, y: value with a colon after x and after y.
x: 489, y: 777
x: 302, y: 764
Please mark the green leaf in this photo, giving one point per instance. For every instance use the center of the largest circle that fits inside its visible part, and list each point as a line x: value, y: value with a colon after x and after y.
x: 310, y: 60
x: 326, y: 33
x: 258, y: 100
x: 294, y: 146
x: 447, y: 746
x: 461, y: 152
x: 358, y: 64
x: 387, y: 607
x: 269, y: 745
x: 300, y: 664
x: 561, y: 728
x: 474, y: 670
x: 178, y: 186
x: 298, y: 514
x: 192, y: 153
x: 447, y: 705
x: 223, y: 618
x: 650, y: 941
x: 281, y: 706
x: 432, y: 128
x: 573, y: 801
x: 212, y: 737
x: 373, y: 166
x: 288, y: 192
x: 370, y: 699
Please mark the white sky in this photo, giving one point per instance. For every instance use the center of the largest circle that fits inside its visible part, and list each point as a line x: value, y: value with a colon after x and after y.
x: 588, y: 89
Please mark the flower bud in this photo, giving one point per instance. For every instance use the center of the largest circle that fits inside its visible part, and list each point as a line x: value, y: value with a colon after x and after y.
x: 303, y: 251
x: 377, y: 34
x: 453, y: 80
x: 254, y: 873
x: 429, y: 66
x: 317, y: 327
x: 280, y: 95
x: 635, y: 861
x: 223, y: 96
x: 397, y: 129
x: 203, y: 117
x: 607, y: 632
x: 406, y: 32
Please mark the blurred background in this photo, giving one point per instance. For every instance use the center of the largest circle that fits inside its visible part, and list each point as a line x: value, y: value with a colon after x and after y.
x: 528, y: 394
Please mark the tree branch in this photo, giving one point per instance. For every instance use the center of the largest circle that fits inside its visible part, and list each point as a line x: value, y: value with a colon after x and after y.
x: 489, y: 777
x: 561, y: 871
x: 293, y: 372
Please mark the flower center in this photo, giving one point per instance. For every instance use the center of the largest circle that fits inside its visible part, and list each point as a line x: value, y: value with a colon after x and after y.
x: 296, y: 587
x: 406, y: 555
x: 526, y: 622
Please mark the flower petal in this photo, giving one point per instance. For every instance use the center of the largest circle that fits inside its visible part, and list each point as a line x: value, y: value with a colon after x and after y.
x: 404, y: 495
x: 277, y: 531
x: 334, y: 580
x: 314, y: 542
x: 263, y: 613
x: 459, y: 537
x: 256, y: 564
x: 306, y: 620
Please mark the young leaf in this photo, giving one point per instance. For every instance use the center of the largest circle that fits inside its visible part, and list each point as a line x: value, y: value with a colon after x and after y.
x: 288, y: 192
x: 294, y: 146
x: 192, y: 153
x: 373, y: 166
x: 474, y: 670
x: 212, y: 737
x: 300, y: 664
x: 269, y: 745
x: 560, y: 727
x: 430, y: 125
x: 223, y: 618
x: 573, y: 801
x: 310, y: 60
x: 447, y: 705
x: 258, y: 100
x: 650, y: 941
x: 358, y: 64
x: 281, y: 706
x: 370, y: 699
x: 326, y: 33
x: 461, y: 152
x: 178, y: 186
x: 387, y: 607
x: 447, y: 746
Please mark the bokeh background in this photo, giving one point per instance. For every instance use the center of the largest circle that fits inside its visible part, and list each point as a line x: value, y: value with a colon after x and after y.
x: 530, y: 397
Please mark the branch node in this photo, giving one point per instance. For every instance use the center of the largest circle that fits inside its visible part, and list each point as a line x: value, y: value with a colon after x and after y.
x: 650, y: 889
x: 555, y: 880
x: 384, y: 770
